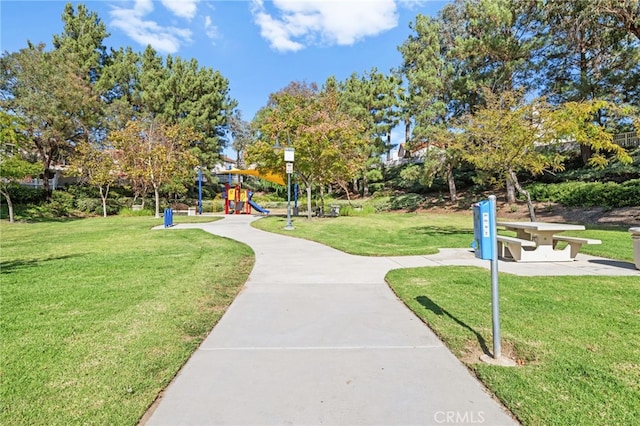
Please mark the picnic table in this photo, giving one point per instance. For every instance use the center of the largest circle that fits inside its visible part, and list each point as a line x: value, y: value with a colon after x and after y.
x: 539, y: 242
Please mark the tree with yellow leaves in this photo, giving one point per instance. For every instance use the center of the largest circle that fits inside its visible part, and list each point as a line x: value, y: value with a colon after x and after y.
x: 509, y: 135
x: 154, y: 154
x: 97, y: 167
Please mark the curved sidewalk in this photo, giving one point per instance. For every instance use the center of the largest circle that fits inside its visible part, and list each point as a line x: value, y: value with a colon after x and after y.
x: 317, y: 337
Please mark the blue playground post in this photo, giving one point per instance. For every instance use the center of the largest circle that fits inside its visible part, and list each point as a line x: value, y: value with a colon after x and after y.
x: 200, y: 191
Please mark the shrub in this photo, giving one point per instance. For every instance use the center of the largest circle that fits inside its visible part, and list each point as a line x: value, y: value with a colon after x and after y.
x: 112, y: 207
x: 88, y: 205
x: 410, y: 176
x: 62, y: 203
x: 589, y: 194
x: 83, y: 191
x: 128, y: 212
x: 349, y: 210
x: 382, y: 204
x: 410, y: 202
x: 263, y: 198
x: 376, y: 187
x: 25, y: 195
x: 382, y: 193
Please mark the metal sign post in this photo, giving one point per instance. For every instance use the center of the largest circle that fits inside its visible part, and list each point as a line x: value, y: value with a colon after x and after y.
x: 495, y: 298
x: 486, y: 247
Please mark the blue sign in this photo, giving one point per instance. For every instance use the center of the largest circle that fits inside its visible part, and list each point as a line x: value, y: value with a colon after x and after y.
x: 484, y: 230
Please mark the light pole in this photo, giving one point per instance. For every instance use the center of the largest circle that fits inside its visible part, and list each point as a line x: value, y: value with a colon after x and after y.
x: 200, y: 191
x: 289, y: 154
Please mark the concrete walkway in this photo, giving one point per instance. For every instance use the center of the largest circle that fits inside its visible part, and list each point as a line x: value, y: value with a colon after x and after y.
x: 317, y: 337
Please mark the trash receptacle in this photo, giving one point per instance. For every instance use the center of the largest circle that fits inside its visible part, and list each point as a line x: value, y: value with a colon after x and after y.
x: 635, y: 239
x: 335, y: 210
x: 168, y: 218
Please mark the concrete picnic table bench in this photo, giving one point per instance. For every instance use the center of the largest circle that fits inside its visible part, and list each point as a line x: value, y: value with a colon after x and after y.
x: 538, y: 242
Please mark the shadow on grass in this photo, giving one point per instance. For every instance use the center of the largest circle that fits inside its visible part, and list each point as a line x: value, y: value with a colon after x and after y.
x: 9, y: 267
x: 42, y: 219
x: 436, y: 230
x: 438, y: 310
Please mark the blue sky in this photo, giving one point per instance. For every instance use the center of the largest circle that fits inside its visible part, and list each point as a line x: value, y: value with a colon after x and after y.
x: 259, y: 46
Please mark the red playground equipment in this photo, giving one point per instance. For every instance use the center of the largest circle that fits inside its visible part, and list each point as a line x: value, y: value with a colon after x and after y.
x: 238, y: 201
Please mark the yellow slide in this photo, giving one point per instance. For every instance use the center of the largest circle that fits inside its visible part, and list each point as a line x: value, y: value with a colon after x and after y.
x: 266, y: 176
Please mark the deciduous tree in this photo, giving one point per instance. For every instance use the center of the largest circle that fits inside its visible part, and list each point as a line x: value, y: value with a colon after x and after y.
x: 329, y: 144
x: 509, y: 135
x: 49, y: 92
x: 155, y: 154
x: 13, y: 165
x: 96, y: 166
x: 500, y: 140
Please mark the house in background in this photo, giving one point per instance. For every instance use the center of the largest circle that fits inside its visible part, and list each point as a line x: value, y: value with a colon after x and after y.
x: 225, y: 163
x: 402, y: 156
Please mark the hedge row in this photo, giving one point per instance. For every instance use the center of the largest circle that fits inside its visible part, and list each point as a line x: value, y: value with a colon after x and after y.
x: 589, y: 194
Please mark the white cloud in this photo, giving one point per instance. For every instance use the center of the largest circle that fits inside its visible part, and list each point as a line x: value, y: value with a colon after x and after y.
x: 296, y: 24
x: 166, y: 39
x: 413, y: 4
x: 182, y: 8
x: 210, y: 30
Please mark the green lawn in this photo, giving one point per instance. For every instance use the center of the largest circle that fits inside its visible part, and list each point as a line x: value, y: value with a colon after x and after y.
x: 576, y: 339
x: 394, y: 234
x: 397, y: 234
x: 97, y: 315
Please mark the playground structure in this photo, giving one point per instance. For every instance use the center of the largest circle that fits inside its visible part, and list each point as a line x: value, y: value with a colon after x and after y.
x: 238, y: 201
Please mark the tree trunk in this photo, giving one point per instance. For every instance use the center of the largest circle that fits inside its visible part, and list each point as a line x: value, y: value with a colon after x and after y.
x: 104, y: 194
x: 452, y: 184
x: 9, y: 204
x: 407, y: 133
x: 511, y: 193
x: 514, y: 178
x: 356, y: 190
x: 345, y: 187
x: 389, y: 146
x: 365, y: 186
x: 585, y: 153
x: 308, y: 201
x: 156, y: 192
x: 46, y: 186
